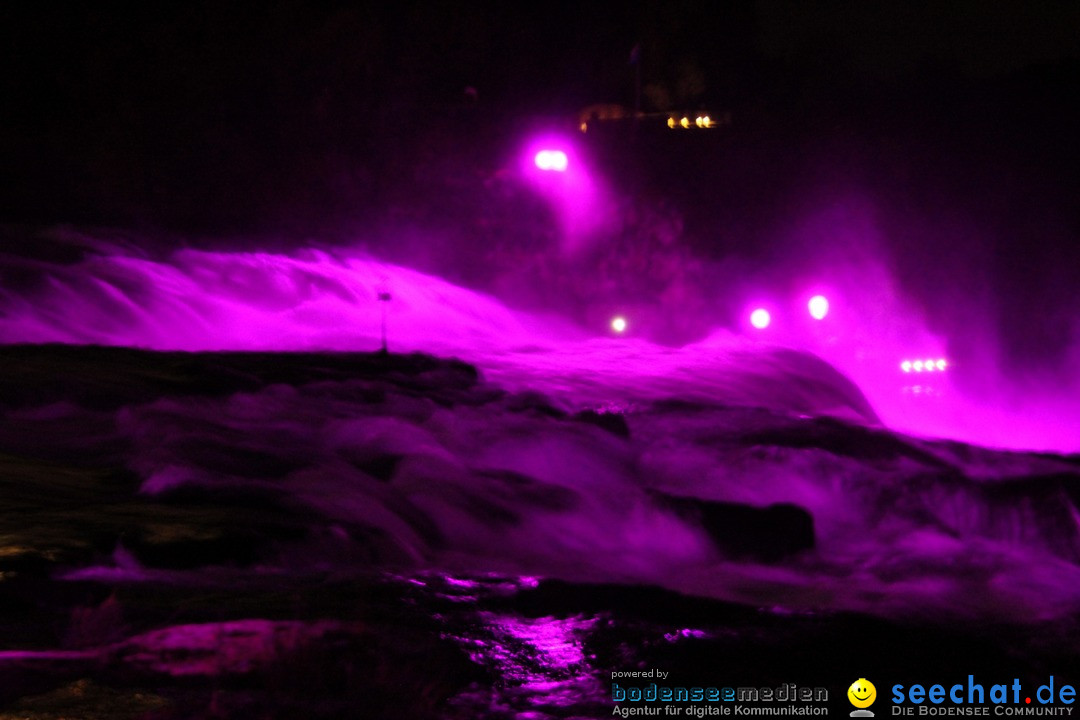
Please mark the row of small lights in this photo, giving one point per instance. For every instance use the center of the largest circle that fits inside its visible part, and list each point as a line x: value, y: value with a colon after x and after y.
x: 919, y: 366
x: 703, y: 121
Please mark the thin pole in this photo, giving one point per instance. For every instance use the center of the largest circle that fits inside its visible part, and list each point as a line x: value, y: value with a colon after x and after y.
x: 384, y: 299
x: 635, y: 57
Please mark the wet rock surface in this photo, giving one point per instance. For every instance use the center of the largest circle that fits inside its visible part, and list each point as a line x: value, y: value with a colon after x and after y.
x: 265, y: 535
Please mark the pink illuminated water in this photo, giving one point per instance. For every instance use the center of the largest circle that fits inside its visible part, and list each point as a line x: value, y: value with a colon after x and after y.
x: 204, y: 300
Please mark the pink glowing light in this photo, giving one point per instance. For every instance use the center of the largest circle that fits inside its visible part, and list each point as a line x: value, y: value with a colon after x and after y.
x: 551, y: 160
x: 618, y: 324
x: 819, y: 307
x: 760, y: 318
x: 555, y: 168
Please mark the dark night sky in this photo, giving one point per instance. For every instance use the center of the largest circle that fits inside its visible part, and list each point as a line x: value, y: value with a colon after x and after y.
x: 107, y: 103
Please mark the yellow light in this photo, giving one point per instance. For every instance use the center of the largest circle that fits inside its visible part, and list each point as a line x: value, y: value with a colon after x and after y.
x: 706, y: 122
x: 697, y: 121
x: 685, y: 122
x: 584, y: 127
x: 671, y: 122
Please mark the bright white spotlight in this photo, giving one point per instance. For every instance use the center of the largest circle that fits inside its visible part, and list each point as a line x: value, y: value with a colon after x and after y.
x: 906, y: 366
x: 618, y: 324
x: 929, y: 365
x: 819, y: 307
x: 917, y: 365
x: 760, y: 318
x: 941, y: 364
x: 551, y: 160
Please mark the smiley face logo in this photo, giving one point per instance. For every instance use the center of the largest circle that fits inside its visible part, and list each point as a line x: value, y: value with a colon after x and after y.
x: 862, y: 693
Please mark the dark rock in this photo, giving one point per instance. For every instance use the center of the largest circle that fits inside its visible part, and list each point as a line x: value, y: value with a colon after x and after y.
x: 614, y: 423
x: 843, y: 439
x: 107, y: 378
x: 532, y: 402
x: 742, y: 531
x: 381, y: 467
x: 31, y: 562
